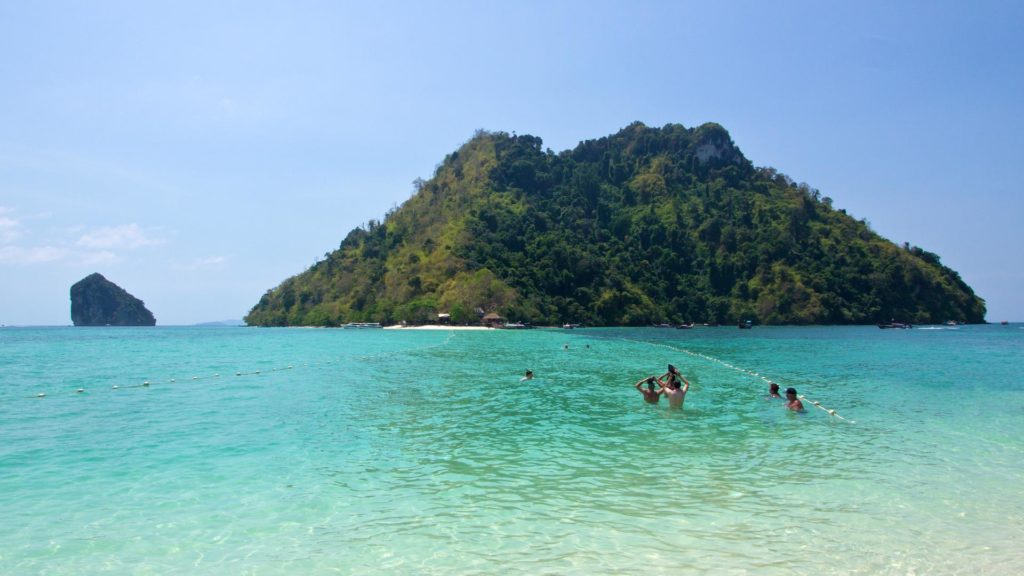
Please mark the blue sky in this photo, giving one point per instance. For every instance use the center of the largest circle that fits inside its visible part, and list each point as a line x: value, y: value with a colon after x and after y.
x: 199, y: 153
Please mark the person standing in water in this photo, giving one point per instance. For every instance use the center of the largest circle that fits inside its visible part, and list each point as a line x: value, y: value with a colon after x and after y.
x: 773, y: 390
x: 673, y: 390
x: 792, y: 402
x: 651, y: 396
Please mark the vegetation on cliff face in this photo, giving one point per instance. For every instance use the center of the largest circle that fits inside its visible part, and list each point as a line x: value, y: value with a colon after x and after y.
x: 96, y: 301
x: 647, y: 225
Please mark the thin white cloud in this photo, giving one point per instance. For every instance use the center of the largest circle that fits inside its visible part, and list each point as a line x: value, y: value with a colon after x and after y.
x: 10, y: 229
x: 21, y: 255
x: 206, y: 262
x: 96, y: 247
x: 98, y: 258
x: 38, y: 255
x: 127, y: 236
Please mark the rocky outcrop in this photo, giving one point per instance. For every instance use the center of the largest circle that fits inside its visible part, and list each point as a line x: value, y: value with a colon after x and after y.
x: 96, y: 301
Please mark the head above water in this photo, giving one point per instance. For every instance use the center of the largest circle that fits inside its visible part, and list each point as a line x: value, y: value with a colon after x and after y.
x: 650, y: 385
x: 672, y: 369
x: 773, y: 388
x: 790, y: 391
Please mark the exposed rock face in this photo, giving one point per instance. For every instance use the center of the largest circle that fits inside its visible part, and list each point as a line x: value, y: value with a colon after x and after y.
x: 96, y: 301
x: 714, y: 142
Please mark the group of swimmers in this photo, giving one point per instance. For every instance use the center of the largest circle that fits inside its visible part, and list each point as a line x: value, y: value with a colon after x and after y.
x: 672, y: 384
x: 792, y: 402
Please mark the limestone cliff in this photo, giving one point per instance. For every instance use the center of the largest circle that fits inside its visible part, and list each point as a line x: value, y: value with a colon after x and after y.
x: 96, y: 301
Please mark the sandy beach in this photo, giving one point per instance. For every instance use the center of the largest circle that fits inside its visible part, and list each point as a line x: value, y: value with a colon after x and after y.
x: 436, y: 327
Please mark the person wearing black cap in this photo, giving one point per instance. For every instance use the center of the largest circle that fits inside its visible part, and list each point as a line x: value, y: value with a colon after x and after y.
x: 792, y: 402
x: 672, y: 389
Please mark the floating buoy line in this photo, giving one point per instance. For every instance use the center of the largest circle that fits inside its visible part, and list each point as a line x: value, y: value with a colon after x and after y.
x: 239, y: 373
x: 830, y: 412
x: 148, y: 383
x: 745, y: 371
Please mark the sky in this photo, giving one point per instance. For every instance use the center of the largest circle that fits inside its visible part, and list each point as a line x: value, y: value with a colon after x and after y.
x: 199, y: 153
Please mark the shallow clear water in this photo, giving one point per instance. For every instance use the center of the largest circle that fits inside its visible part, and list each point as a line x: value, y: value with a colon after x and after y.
x: 421, y: 452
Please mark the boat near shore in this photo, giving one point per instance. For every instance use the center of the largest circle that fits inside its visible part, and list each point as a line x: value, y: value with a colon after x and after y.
x: 516, y: 326
x: 362, y: 325
x: 895, y: 325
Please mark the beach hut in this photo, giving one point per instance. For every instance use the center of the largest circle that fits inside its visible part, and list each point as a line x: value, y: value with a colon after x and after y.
x: 493, y: 320
x: 444, y: 318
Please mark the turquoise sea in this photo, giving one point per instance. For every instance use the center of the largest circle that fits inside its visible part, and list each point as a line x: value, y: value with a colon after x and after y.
x: 303, y: 451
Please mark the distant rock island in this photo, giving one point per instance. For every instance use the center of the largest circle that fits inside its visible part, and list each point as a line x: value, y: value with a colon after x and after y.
x: 96, y: 301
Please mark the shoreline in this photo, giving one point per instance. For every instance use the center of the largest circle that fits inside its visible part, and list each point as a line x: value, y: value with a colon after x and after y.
x: 436, y: 327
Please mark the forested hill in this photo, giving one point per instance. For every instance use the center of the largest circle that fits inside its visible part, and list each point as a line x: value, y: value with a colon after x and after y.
x: 648, y: 225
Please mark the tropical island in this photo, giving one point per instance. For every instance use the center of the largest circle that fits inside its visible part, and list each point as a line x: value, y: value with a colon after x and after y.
x: 646, y: 226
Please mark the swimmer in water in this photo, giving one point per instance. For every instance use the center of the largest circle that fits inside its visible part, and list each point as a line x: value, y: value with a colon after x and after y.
x: 651, y: 396
x: 773, y: 390
x: 792, y: 402
x: 529, y: 376
x: 673, y: 390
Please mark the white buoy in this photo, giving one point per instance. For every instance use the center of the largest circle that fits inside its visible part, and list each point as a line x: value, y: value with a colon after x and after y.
x: 146, y: 383
x: 217, y: 375
x: 195, y: 377
x: 115, y: 386
x: 238, y: 373
x: 818, y: 405
x: 80, y: 390
x: 41, y: 395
